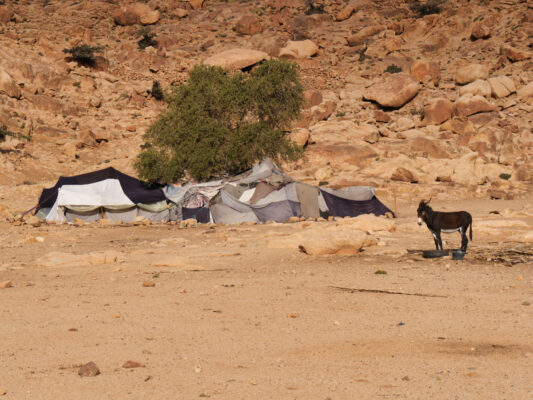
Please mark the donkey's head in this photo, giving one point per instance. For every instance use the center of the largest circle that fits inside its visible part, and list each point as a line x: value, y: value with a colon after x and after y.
x: 422, y: 207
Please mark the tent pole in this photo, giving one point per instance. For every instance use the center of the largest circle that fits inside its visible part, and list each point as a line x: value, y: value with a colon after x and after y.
x: 395, y: 208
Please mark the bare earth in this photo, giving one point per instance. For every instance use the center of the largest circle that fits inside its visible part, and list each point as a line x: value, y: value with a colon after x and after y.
x: 235, y: 318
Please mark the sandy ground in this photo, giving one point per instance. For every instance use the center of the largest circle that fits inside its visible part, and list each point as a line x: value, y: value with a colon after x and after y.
x: 237, y: 319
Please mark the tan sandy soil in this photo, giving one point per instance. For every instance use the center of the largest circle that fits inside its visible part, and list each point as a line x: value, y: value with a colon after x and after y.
x: 237, y: 319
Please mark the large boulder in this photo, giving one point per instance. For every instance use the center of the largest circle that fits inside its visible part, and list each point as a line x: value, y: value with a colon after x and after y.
x: 299, y: 49
x: 196, y: 4
x: 514, y: 54
x: 501, y: 86
x: 404, y: 175
x: 235, y: 59
x: 426, y: 70
x: 438, y: 111
x: 340, y: 242
x: 6, y: 14
x: 478, y: 87
x: 137, y: 13
x: 468, y: 105
x: 471, y: 72
x: 393, y: 91
x: 248, y: 25
x: 8, y: 85
x: 345, y: 13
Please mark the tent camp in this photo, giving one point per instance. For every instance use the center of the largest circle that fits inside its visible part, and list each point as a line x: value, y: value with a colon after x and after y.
x: 265, y: 193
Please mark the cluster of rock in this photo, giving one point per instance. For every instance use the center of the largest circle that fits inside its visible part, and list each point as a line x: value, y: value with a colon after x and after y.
x: 391, y: 98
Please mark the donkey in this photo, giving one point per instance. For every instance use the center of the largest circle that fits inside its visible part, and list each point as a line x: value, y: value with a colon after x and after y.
x: 446, y: 222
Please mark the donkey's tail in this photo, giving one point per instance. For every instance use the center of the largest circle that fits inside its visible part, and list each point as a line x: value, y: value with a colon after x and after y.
x: 470, y: 230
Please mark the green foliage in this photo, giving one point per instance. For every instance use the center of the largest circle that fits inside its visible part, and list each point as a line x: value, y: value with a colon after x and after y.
x: 4, y: 132
x: 393, y: 69
x: 157, y: 91
x: 220, y: 122
x: 314, y: 9
x: 147, y: 38
x: 380, y: 272
x: 505, y: 176
x: 426, y: 8
x: 84, y: 54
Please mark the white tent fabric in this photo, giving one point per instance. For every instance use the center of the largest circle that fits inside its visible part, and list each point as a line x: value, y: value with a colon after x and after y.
x: 99, y: 194
x: 357, y: 193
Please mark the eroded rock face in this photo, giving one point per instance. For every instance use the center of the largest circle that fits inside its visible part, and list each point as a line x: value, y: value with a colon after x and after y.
x: 480, y: 31
x: 393, y: 91
x: 365, y: 33
x: 471, y: 72
x: 6, y: 14
x: 501, y: 86
x: 478, y: 87
x: 248, y: 25
x: 235, y: 59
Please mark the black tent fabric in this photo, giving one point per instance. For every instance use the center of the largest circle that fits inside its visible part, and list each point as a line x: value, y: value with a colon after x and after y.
x: 339, y: 207
x: 137, y: 191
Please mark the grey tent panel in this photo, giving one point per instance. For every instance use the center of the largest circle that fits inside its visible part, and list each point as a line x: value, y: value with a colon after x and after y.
x: 161, y: 216
x: 223, y: 214
x: 357, y: 193
x: 279, y: 211
x: 87, y: 216
x: 127, y: 215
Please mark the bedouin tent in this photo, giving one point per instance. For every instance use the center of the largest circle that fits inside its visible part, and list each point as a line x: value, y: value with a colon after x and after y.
x: 264, y: 193
x: 106, y: 193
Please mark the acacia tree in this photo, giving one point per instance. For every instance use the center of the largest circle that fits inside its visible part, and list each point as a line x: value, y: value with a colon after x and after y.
x: 220, y: 123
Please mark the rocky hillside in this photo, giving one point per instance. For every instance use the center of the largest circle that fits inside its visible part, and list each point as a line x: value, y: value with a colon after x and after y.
x: 411, y: 103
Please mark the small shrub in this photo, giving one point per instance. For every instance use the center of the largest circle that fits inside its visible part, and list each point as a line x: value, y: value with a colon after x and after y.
x: 505, y: 176
x: 84, y: 54
x: 157, y: 91
x: 4, y: 132
x: 314, y: 9
x: 380, y: 272
x: 393, y: 69
x: 341, y: 114
x: 76, y: 84
x: 147, y: 38
x: 427, y: 8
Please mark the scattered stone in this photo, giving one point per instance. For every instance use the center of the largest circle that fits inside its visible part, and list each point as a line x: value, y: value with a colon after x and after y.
x: 196, y: 4
x: 404, y: 175
x: 300, y: 136
x: 365, y: 33
x: 132, y: 364
x: 137, y: 13
x: 502, y: 86
x: 514, y: 54
x: 478, y: 87
x: 149, y: 284
x: 480, y: 31
x: 89, y: 370
x: 6, y: 284
x: 181, y: 12
x: 381, y: 116
x: 6, y: 14
x: 372, y: 137
x: 345, y: 13
x: 341, y: 242
x: 468, y: 105
x: 34, y: 221
x: 299, y: 49
x: 424, y: 70
x: 312, y: 98
x: 236, y: 58
x: 471, y: 72
x: 438, y: 111
x: 404, y: 123
x: 8, y: 85
x: 393, y: 91
x: 526, y: 91
x: 248, y: 25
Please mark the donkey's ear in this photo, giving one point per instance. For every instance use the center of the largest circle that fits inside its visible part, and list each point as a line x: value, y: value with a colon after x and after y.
x: 427, y: 202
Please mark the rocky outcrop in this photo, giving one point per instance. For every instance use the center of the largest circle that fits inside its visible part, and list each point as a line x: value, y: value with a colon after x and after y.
x: 514, y: 54
x: 438, y: 111
x: 365, y: 33
x: 501, y: 86
x: 479, y: 87
x: 468, y: 104
x: 8, y: 85
x: 426, y: 71
x: 393, y: 91
x: 248, y: 25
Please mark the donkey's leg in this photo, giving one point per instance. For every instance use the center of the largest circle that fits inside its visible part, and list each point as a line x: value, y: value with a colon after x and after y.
x: 440, y: 240
x: 464, y: 240
x: 436, y: 240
